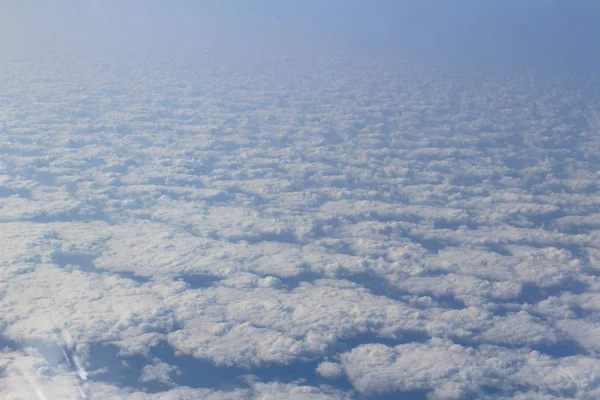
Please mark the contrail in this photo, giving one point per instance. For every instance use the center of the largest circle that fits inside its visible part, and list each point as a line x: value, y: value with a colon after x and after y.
x: 68, y: 348
x: 38, y: 391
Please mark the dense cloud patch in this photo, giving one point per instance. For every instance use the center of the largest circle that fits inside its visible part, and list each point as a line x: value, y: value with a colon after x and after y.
x: 295, y: 228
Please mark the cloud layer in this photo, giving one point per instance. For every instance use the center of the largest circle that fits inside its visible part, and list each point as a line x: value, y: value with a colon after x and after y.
x: 295, y: 227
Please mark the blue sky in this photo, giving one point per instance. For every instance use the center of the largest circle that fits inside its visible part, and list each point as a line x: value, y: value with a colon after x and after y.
x: 548, y: 35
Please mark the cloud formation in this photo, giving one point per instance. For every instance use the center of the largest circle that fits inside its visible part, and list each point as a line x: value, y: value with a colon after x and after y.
x: 295, y: 227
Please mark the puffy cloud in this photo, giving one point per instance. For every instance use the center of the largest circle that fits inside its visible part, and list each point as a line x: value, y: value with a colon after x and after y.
x: 449, y: 368
x: 301, y: 228
x: 446, y: 370
x: 329, y: 369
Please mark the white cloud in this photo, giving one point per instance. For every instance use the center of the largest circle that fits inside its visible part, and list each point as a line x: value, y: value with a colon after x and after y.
x: 158, y: 372
x: 439, y: 365
x: 329, y: 369
x: 404, y: 228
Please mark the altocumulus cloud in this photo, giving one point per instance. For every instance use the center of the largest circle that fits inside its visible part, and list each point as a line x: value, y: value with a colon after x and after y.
x: 218, y: 224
